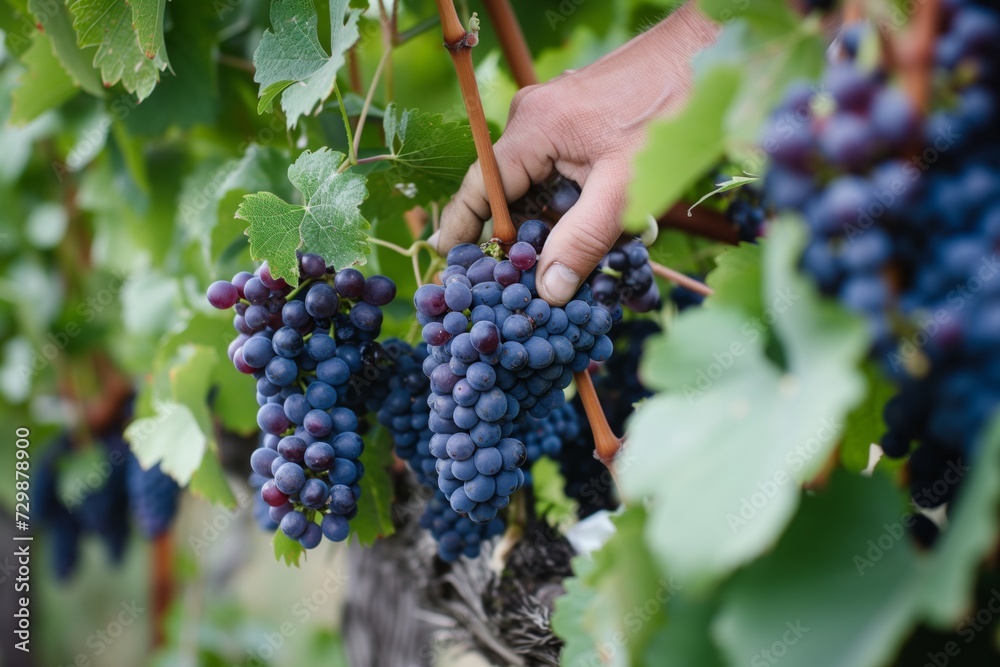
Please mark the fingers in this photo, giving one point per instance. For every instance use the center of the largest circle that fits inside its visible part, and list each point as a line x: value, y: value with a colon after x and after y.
x: 583, y: 236
x: 524, y: 155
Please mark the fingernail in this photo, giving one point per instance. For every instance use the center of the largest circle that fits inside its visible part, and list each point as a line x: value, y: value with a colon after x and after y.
x: 434, y: 238
x: 560, y: 282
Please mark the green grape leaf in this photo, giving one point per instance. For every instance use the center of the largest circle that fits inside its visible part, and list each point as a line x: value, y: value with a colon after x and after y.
x: 851, y: 591
x: 147, y: 20
x: 569, y: 618
x: 726, y: 400
x: 820, y: 608
x: 292, y: 52
x: 693, y: 140
x: 260, y: 168
x: 209, y: 481
x: 374, y: 519
x: 551, y: 501
x: 765, y: 18
x: 686, y: 640
x: 44, y: 84
x: 286, y: 549
x: 179, y: 433
x: 58, y: 25
x: 428, y: 157
x: 771, y: 53
x: 233, y: 393
x: 107, y: 24
x: 617, y: 601
x: 864, y: 423
x: 736, y: 280
x: 187, y: 95
x: 190, y: 380
x: 947, y: 591
x: 172, y: 437
x: 329, y: 223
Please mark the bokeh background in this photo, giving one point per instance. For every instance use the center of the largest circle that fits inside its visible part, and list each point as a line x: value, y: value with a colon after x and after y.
x: 113, y: 220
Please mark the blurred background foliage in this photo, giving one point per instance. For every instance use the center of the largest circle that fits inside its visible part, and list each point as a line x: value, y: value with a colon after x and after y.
x: 117, y: 214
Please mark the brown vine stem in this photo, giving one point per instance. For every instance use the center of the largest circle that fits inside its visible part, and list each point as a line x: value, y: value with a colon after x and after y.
x: 512, y: 42
x: 916, y: 54
x: 607, y: 443
x: 163, y: 586
x: 702, y: 222
x: 455, y: 39
x: 680, y: 279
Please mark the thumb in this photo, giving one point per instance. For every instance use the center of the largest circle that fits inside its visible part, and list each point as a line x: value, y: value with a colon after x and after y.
x: 523, y: 157
x: 583, y: 236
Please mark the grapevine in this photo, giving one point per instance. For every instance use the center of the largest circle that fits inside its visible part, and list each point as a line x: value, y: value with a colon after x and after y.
x: 280, y: 384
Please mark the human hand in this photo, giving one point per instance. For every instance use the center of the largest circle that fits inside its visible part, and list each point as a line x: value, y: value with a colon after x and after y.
x: 586, y: 125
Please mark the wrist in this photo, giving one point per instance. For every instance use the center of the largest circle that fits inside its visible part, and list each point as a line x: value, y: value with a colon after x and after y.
x: 672, y: 45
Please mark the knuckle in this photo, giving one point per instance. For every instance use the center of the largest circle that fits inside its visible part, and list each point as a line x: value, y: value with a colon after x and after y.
x: 527, y: 95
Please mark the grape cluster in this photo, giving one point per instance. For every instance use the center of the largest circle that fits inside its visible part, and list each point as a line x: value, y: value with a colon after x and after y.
x: 405, y: 411
x: 456, y: 535
x: 313, y: 353
x: 747, y: 212
x: 625, y: 276
x: 545, y: 437
x: 683, y: 298
x: 904, y: 223
x: 153, y: 497
x: 102, y: 511
x: 497, y: 351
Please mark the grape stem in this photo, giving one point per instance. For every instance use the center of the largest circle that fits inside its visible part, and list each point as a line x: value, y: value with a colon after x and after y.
x: 915, y: 54
x: 605, y: 440
x: 299, y: 288
x: 512, y: 42
x: 352, y: 157
x: 679, y: 278
x: 386, y: 55
x: 418, y: 29
x: 413, y: 252
x: 455, y: 38
x: 162, y: 585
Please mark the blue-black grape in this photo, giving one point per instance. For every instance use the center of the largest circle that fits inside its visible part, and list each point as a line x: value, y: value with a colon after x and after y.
x: 483, y: 379
x: 904, y: 241
x: 317, y: 367
x: 153, y: 497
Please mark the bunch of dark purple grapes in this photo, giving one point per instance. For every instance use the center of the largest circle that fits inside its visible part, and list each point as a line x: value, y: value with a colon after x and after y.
x: 624, y: 276
x: 905, y: 224
x: 498, y: 351
x: 683, y: 298
x: 101, y: 510
x: 314, y: 355
x: 545, y: 437
x: 153, y: 496
x: 456, y: 534
x: 404, y: 411
x: 747, y: 212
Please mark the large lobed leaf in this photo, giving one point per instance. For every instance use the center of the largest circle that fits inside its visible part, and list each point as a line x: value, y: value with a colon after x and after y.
x: 428, y: 158
x: 327, y: 223
x: 58, y: 25
x: 44, y: 84
x: 123, y: 54
x: 736, y: 434
x: 291, y: 60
